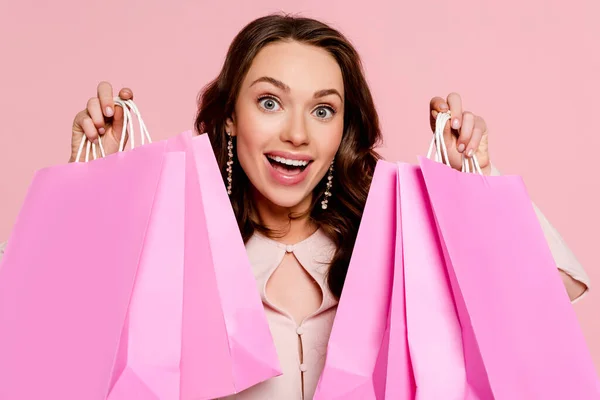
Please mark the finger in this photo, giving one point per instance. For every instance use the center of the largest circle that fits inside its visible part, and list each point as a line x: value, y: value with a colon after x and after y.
x: 89, y: 129
x: 466, y: 131
x: 95, y: 112
x: 475, y: 141
x: 105, y: 95
x: 455, y: 104
x: 126, y: 94
x: 117, y: 124
x: 436, y: 105
x: 78, y: 121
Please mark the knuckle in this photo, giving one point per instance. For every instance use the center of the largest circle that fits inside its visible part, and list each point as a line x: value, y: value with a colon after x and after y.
x: 80, y: 117
x: 93, y: 101
x: 87, y: 121
x: 469, y: 116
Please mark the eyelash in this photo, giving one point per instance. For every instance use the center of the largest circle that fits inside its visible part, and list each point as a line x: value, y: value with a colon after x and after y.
x: 275, y: 99
x: 327, y: 106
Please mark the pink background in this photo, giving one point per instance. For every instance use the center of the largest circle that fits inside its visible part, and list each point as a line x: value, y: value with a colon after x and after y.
x: 529, y: 68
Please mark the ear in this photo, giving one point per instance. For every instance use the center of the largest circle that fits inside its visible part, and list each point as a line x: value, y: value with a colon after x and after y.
x: 230, y: 124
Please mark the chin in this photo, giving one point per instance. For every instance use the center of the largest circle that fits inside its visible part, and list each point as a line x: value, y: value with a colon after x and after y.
x: 287, y: 198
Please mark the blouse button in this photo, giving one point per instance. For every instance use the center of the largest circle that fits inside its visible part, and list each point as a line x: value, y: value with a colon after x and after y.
x: 289, y: 248
x: 300, y: 330
x: 303, y: 367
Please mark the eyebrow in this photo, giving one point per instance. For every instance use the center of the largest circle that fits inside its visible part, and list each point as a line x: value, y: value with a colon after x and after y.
x: 277, y: 83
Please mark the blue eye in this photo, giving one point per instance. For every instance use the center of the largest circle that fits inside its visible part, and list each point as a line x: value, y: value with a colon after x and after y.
x: 269, y: 103
x: 324, y: 112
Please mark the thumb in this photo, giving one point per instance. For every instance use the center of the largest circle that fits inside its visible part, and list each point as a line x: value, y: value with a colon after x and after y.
x: 118, y: 124
x: 118, y: 119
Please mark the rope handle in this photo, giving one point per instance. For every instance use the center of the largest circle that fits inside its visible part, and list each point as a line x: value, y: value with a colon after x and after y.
x: 129, y: 109
x: 441, y: 154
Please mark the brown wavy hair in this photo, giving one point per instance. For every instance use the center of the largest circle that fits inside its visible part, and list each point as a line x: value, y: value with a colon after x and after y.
x: 355, y: 159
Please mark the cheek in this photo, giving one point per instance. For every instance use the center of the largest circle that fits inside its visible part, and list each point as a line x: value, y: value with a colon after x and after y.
x: 253, y: 133
x: 329, y: 138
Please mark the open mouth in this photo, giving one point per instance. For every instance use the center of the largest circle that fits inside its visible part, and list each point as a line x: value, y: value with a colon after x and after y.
x: 288, y: 166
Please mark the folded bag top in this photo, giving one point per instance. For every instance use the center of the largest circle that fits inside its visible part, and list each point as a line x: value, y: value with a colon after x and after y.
x: 69, y: 271
x: 107, y: 304
x: 518, y: 323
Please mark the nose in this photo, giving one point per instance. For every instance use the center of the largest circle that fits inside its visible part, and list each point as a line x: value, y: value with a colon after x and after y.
x: 296, y: 131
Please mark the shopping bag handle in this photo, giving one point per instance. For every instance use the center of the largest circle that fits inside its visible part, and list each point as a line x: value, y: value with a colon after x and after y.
x: 441, y: 153
x: 127, y: 117
x: 129, y: 108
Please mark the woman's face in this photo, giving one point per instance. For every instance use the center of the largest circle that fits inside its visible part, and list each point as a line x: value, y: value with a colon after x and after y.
x: 288, y: 122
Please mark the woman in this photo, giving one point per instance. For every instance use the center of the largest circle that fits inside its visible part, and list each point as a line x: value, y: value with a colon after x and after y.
x: 294, y: 130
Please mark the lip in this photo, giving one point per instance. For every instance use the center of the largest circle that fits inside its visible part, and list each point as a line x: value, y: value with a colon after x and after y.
x: 284, y: 179
x: 289, y: 156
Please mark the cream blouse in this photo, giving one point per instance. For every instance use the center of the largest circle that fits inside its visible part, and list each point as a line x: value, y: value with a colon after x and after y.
x: 301, y: 348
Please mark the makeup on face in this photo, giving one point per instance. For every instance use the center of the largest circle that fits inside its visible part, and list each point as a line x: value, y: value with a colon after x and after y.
x: 288, y: 168
x: 289, y: 120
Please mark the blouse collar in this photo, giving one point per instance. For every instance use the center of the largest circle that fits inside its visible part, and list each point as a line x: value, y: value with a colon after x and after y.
x: 314, y: 254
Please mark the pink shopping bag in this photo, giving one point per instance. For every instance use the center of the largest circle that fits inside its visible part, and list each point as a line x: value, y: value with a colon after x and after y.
x: 147, y: 364
x: 521, y: 336
x: 432, y: 325
x: 68, y: 274
x: 171, y: 313
x: 356, y: 363
x: 196, y: 327
x: 400, y: 379
x: 226, y: 343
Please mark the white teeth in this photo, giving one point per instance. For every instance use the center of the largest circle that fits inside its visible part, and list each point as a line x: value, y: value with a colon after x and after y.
x: 295, y: 163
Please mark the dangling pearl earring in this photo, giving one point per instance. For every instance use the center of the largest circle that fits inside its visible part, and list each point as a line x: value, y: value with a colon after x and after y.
x: 327, y: 193
x: 229, y: 162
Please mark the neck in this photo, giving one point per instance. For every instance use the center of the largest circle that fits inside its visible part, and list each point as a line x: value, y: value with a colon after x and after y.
x: 276, y: 218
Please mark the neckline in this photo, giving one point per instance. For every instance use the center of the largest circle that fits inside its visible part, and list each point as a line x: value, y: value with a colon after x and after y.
x: 282, y: 245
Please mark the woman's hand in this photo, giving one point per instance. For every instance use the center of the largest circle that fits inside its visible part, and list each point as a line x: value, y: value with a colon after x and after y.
x: 100, y: 118
x: 465, y: 134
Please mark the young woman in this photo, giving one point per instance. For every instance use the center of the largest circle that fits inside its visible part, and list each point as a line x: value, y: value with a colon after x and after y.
x: 294, y: 130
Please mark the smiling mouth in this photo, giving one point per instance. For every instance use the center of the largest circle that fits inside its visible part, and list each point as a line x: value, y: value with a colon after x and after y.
x: 288, y: 166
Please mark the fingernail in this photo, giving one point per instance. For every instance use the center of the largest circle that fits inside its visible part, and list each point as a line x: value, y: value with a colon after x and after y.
x: 470, y: 153
x: 101, y: 131
x: 109, y: 112
x: 461, y: 148
x: 455, y: 123
x: 444, y: 107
